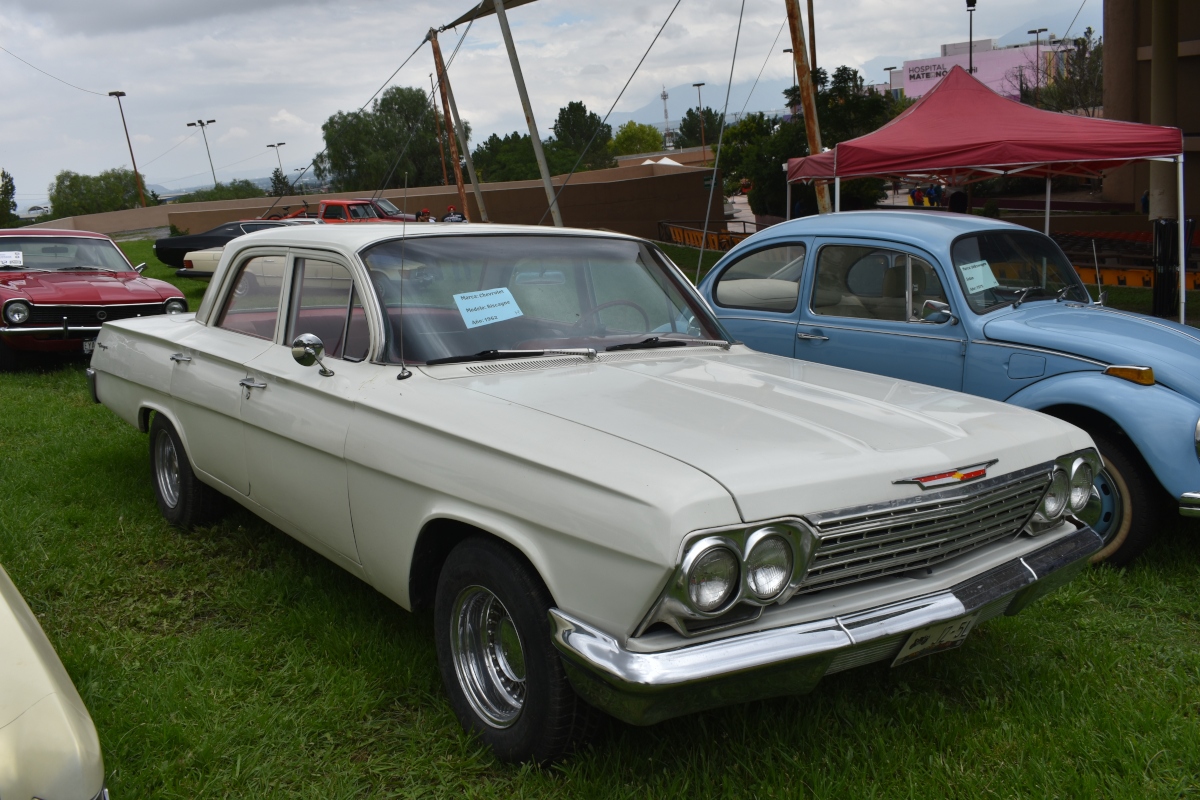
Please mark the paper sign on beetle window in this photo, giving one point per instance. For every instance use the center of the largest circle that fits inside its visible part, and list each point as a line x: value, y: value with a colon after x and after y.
x: 977, y: 275
x: 486, y: 307
x: 14, y: 258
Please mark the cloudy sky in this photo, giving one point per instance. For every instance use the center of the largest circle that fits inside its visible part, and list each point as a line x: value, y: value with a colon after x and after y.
x: 274, y: 70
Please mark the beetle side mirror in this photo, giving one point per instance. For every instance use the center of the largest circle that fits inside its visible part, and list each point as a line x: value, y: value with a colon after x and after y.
x: 140, y: 268
x: 1103, y: 299
x: 307, y: 349
x: 937, y: 312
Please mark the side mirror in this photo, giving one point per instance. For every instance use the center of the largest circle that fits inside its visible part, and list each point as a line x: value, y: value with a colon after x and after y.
x: 937, y: 312
x: 307, y: 349
x: 140, y: 268
x: 1103, y: 299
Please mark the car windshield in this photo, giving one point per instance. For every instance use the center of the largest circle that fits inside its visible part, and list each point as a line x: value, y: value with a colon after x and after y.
x: 362, y: 211
x: 1000, y: 268
x: 447, y: 296
x: 55, y: 253
x: 387, y: 206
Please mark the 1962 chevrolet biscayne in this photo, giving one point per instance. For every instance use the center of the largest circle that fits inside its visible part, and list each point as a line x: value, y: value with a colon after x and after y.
x: 546, y: 437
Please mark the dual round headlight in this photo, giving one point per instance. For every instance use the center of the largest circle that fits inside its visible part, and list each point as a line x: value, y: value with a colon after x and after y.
x: 715, y: 574
x: 712, y: 578
x: 769, y: 566
x: 1068, y: 493
x: 175, y: 306
x: 1082, y: 478
x: 1057, y: 497
x: 17, y: 312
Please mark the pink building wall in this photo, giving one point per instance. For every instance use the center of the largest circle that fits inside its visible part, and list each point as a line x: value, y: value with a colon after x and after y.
x: 996, y: 68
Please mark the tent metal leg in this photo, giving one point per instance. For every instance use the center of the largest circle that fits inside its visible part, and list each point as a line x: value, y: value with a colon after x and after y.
x: 787, y: 214
x: 837, y: 195
x: 1182, y: 243
x: 1047, y: 225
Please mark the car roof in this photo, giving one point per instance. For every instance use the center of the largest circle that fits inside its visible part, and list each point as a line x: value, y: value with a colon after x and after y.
x: 925, y: 228
x: 51, y: 232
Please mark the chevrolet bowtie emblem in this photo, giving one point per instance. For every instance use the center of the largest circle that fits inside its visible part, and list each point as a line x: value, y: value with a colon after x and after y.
x: 956, y: 475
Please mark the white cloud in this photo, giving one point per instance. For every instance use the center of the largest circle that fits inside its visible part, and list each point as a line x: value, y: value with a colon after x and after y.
x: 285, y: 120
x: 233, y: 134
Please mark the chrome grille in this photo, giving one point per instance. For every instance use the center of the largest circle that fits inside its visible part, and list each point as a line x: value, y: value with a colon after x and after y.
x: 88, y: 316
x: 865, y: 542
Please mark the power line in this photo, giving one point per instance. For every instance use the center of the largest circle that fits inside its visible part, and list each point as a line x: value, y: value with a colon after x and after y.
x: 1072, y: 25
x: 169, y: 149
x: 48, y: 75
x: 764, y: 66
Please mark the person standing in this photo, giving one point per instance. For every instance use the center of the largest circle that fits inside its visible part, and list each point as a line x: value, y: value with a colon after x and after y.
x: 453, y: 216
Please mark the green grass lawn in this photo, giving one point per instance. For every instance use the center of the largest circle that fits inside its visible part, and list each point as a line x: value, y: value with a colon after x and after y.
x: 234, y: 662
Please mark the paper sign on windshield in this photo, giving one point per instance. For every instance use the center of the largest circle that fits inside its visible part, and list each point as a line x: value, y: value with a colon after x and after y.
x: 486, y: 307
x: 12, y: 259
x: 977, y: 275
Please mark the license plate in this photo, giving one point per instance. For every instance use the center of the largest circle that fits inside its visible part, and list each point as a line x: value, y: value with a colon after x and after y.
x: 935, y: 638
x: 88, y: 346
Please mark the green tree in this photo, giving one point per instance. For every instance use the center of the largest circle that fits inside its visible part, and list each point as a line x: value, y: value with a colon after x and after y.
x: 636, y: 137
x: 73, y: 194
x: 689, y: 128
x: 8, y: 203
x: 238, y: 189
x: 1080, y: 85
x: 506, y: 159
x: 362, y: 147
x: 280, y: 185
x: 574, y: 130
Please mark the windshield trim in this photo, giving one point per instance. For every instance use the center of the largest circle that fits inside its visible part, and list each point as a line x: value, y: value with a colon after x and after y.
x: 1008, y: 304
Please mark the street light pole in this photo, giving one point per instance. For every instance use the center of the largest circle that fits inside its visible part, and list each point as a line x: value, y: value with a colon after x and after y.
x: 202, y: 125
x: 276, y: 147
x: 971, y: 37
x: 136, y: 178
x: 700, y: 112
x: 1037, y: 63
x: 301, y: 171
x: 795, y: 78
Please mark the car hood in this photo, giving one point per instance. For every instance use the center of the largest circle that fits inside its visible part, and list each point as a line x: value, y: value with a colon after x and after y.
x: 785, y: 437
x: 1107, y: 335
x: 87, y: 287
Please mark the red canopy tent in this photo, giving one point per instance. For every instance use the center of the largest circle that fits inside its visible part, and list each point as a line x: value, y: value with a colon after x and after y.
x: 961, y: 131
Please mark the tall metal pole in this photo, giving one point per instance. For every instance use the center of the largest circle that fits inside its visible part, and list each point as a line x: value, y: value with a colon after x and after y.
x: 441, y: 71
x: 136, y: 178
x: 204, y: 124
x: 700, y: 113
x: 807, y: 96
x: 1037, y: 64
x: 536, y: 138
x: 971, y: 37
x: 1182, y: 243
x: 438, y: 121
x: 465, y: 145
x: 812, y: 36
x: 278, y: 158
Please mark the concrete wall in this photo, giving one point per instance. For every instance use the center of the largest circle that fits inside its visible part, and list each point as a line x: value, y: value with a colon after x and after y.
x: 626, y: 199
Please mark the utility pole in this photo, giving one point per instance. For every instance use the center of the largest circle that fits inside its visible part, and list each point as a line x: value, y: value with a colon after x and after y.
x: 538, y: 152
x: 812, y: 35
x: 804, y: 77
x: 1037, y: 64
x: 278, y: 158
x: 441, y: 71
x: 438, y: 120
x: 700, y: 112
x: 202, y: 125
x: 136, y: 178
x: 461, y: 132
x: 970, y: 37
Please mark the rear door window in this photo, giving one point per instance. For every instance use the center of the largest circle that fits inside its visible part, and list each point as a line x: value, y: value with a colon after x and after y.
x: 765, y: 280
x: 867, y: 282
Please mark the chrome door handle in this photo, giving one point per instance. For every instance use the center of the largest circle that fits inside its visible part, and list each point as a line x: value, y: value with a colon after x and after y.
x: 180, y: 358
x: 816, y: 337
x: 250, y: 383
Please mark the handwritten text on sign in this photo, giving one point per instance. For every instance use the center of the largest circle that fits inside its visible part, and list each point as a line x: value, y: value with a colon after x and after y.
x: 978, y: 276
x: 486, y: 307
x: 13, y: 258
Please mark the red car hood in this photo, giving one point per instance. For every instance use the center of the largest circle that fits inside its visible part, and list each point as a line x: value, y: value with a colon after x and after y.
x: 100, y: 288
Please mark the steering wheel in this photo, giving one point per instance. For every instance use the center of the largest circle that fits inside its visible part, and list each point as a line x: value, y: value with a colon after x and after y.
x: 594, y: 310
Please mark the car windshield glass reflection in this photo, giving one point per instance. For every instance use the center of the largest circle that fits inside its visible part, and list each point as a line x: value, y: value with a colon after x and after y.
x: 464, y: 295
x: 53, y: 254
x: 387, y: 206
x: 1002, y: 268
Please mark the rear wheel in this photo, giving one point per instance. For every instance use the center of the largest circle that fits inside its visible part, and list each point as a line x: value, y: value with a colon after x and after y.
x: 183, y: 500
x: 503, y: 675
x: 1125, y: 508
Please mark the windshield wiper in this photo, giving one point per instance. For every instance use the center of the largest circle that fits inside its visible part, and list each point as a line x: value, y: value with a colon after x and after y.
x: 495, y: 355
x: 1021, y: 297
x: 647, y: 344
x: 89, y: 269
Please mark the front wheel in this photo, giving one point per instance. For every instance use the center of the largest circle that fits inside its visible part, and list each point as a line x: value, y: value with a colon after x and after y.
x: 504, y: 678
x: 1125, y: 508
x: 183, y: 500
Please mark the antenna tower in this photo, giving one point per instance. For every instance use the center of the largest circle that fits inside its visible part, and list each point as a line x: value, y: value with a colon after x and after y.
x: 668, y: 139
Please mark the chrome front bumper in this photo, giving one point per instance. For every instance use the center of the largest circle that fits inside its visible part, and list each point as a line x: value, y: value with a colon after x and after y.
x: 645, y: 688
x: 1189, y: 504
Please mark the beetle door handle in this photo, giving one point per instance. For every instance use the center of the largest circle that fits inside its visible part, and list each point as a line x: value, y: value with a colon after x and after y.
x: 250, y: 383
x: 180, y: 358
x: 816, y: 337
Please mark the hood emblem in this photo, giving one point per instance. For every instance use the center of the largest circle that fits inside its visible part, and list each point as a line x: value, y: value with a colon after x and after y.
x: 101, y: 315
x: 956, y: 475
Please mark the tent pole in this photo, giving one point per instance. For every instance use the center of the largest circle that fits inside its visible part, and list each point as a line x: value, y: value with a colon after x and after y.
x: 1047, y: 231
x: 837, y: 194
x: 787, y: 214
x: 1182, y: 243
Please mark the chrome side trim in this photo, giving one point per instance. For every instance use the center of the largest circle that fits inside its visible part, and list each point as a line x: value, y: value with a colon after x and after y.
x: 645, y: 688
x: 886, y: 333
x: 49, y: 329
x: 1198, y: 438
x: 1033, y: 349
x: 1189, y: 504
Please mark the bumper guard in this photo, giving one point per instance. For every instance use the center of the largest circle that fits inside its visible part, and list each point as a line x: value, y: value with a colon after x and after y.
x: 1189, y: 504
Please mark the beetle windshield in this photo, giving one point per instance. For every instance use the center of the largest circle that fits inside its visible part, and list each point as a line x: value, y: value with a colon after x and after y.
x: 999, y: 268
x: 54, y: 253
x: 460, y: 295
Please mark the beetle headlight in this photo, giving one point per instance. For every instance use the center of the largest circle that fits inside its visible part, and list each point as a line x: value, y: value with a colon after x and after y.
x: 1081, y: 484
x: 712, y: 578
x: 17, y: 312
x: 175, y: 306
x: 768, y: 566
x: 1056, y: 499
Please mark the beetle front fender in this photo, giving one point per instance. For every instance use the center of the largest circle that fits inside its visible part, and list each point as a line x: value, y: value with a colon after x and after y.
x: 1160, y: 422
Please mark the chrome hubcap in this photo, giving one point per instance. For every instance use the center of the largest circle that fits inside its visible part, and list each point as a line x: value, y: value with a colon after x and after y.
x: 1105, y: 509
x: 488, y: 658
x: 166, y: 468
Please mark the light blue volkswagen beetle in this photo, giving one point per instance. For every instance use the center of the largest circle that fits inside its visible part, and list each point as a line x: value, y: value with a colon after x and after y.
x: 992, y: 309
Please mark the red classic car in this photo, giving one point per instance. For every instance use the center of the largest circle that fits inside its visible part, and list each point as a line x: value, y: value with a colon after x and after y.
x: 57, y: 288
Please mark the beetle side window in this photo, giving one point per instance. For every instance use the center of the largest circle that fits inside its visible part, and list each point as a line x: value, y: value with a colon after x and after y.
x: 325, y: 304
x: 873, y: 283
x: 252, y: 306
x: 765, y: 280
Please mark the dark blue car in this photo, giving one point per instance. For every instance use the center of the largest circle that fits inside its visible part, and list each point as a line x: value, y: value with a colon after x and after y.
x: 992, y: 309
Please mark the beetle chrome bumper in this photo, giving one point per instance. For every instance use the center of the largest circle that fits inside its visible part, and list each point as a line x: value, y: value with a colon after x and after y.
x: 1189, y: 504
x: 644, y: 688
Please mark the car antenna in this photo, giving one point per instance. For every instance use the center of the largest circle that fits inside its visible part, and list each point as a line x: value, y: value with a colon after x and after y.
x: 404, y: 371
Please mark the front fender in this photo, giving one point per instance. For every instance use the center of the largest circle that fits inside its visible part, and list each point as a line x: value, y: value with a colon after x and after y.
x: 1160, y: 422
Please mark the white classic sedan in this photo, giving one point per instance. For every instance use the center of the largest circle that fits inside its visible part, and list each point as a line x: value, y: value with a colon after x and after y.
x: 546, y: 437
